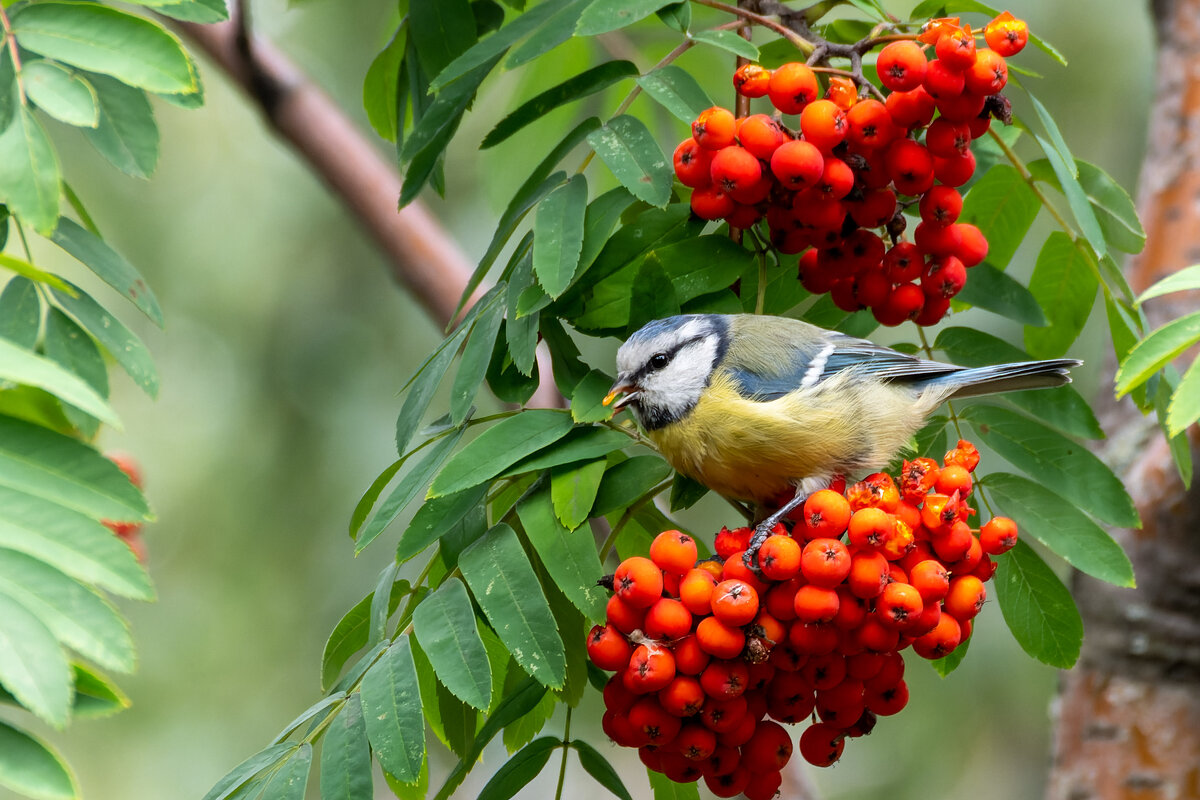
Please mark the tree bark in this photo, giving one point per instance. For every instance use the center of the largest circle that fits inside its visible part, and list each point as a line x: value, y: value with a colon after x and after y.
x: 1129, y: 713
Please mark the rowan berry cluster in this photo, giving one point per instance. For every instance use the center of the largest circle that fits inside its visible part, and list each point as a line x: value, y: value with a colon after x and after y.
x: 835, y: 189
x: 712, y: 656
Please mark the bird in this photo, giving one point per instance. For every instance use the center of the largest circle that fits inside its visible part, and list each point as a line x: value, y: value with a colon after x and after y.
x: 759, y: 407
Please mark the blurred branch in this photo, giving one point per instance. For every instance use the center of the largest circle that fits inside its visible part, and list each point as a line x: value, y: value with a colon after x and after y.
x: 424, y: 259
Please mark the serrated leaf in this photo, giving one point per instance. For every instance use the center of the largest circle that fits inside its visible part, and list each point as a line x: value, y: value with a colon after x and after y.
x: 26, y: 367
x: 381, y: 86
x: 61, y: 93
x: 1158, y: 349
x: 472, y: 368
x: 579, y: 444
x: 132, y: 49
x: 392, y: 710
x: 444, y: 624
x: 569, y: 556
x: 424, y: 383
x: 587, y: 398
x: 109, y: 265
x: 69, y: 345
x: 352, y: 631
x: 685, y: 492
x: 204, y: 11
x: 1065, y: 287
x: 1180, y: 447
x: 238, y: 776
x: 1067, y: 531
x: 499, y: 447
x: 677, y: 91
x: 519, y: 770
x: 1003, y: 206
x: 20, y: 312
x: 729, y: 42
x: 1039, y: 610
x: 1064, y: 408
x: 496, y: 44
x: 29, y: 172
x: 95, y: 695
x: 1185, y: 402
x: 559, y: 28
x: 628, y: 481
x: 70, y: 542
x: 573, y: 490
x: 1114, y: 208
x: 346, y: 756
x: 522, y: 731
x: 324, y: 704
x: 118, y: 340
x: 1054, y: 460
x: 9, y: 98
x: 582, y: 85
x: 597, y: 766
x: 32, y: 664
x: 629, y: 150
x: 32, y: 767
x: 677, y: 15
x: 506, y: 588
x: 436, y: 518
x: 441, y: 31
x: 558, y: 235
x: 1184, y: 280
x: 610, y: 15
x: 126, y: 134
x: 652, y: 296
x: 286, y: 780
x: 1064, y: 169
x: 77, y: 617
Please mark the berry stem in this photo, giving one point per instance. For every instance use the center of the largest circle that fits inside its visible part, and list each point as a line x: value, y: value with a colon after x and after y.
x: 566, y: 745
x: 801, y: 44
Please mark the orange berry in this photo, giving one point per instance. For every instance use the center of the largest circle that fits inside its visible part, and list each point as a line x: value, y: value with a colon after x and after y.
x: 843, y: 92
x: 944, y: 82
x: 970, y: 560
x: 902, y: 66
x: 616, y: 696
x: 727, y: 784
x: 888, y: 701
x: 695, y: 590
x: 608, y: 648
x: 998, y: 536
x: 868, y: 573
x: 734, y: 169
x: 826, y: 514
x: 930, y: 579
x: 953, y: 542
x: 938, y: 512
x: 911, y: 109
x: 899, y: 604
x: 673, y: 551
x: 761, y: 136
x: 940, y: 641
x: 956, y: 49
x: 711, y: 203
x: 954, y: 478
x: 617, y: 727
x: 823, y: 124
x: 797, y: 164
x: 725, y: 679
x: 972, y: 248
x: 815, y: 604
x: 965, y: 598
x: 870, y: 527
x: 779, y: 558
x: 813, y: 638
x: 682, y: 697
x: 722, y: 716
x: 1006, y: 34
x: 712, y: 567
x: 869, y: 125
x: 988, y: 75
x: 651, y: 667
x: 964, y: 455
x: 692, y: 164
x: 751, y: 80
x: 690, y: 657
x: 638, y: 582
x: 875, y: 491
x: 714, y: 128
x: 718, y: 639
x: 734, y: 602
x: 792, y: 87
x: 724, y: 761
x: 667, y: 619
x: 825, y: 562
x: 779, y: 599
x: 624, y: 617
x: 763, y: 785
x: 735, y: 569
x: 768, y: 628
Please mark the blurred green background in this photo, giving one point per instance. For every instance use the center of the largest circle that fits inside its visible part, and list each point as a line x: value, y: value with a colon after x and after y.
x: 287, y: 341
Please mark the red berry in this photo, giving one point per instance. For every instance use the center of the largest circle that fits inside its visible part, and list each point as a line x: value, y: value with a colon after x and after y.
x: 911, y: 109
x: 956, y: 49
x: 761, y: 136
x: 792, y: 87
x: 733, y: 168
x: 751, y: 80
x: 638, y: 582
x: 823, y: 124
x: 692, y: 164
x: 988, y: 75
x: 902, y: 66
x: 714, y: 128
x: 822, y: 744
x: 797, y: 164
x: 673, y: 551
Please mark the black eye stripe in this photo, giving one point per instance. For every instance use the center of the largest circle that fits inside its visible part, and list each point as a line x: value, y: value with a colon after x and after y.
x: 670, y: 354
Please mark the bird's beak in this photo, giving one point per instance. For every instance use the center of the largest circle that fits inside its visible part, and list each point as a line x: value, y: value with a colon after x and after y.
x: 620, y: 387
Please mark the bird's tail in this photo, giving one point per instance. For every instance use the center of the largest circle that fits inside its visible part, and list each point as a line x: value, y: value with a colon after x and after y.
x: 972, y: 382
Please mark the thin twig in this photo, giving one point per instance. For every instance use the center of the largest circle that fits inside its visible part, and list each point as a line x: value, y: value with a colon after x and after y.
x: 802, y: 44
x: 11, y: 41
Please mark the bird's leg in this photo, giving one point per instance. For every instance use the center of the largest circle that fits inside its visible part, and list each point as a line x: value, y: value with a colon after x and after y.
x: 763, y: 529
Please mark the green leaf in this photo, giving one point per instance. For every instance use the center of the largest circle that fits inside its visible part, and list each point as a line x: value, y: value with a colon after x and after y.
x: 346, y: 756
x: 666, y: 789
x: 313, y: 711
x: 472, y: 368
x: 586, y: 83
x: 20, y: 313
x: 993, y: 290
x: 496, y: 44
x: 587, y: 397
x: 286, y: 780
x: 729, y: 42
x: 61, y: 93
x: 70, y: 542
x: 1185, y: 403
x: 1064, y: 408
x: 444, y: 624
x: 381, y: 86
x: 441, y: 31
x: 579, y: 444
x: 515, y: 774
x: 948, y: 663
x: 95, y: 695
x: 23, y: 366
x: 521, y: 332
x: 29, y: 172
x: 627, y: 482
x: 407, y: 489
x: 558, y: 235
x: 1067, y: 531
x: 1054, y: 460
x: 118, y: 340
x: 1180, y: 447
x: 652, y: 296
x: 32, y: 664
x: 25, y: 269
x: 573, y: 490
x: 352, y: 631
x: 677, y: 15
x: 628, y: 148
x: 569, y: 556
x: 9, y: 98
x: 1003, y: 206
x: 1065, y: 287
x: 499, y: 447
x: 522, y: 731
x: 69, y: 345
x: 204, y: 11
x: 31, y: 767
x: 677, y: 91
x: 1114, y: 208
x: 506, y: 588
x: 597, y: 766
x: 392, y: 710
x: 1039, y: 610
x: 127, y: 134
x: 1184, y: 280
x: 1064, y: 169
x: 108, y: 265
x: 77, y: 617
x: 237, y: 776
x: 436, y: 518
x: 610, y: 15
x: 423, y: 385
x: 1157, y: 350
x: 685, y: 492
x: 559, y: 28
x: 132, y: 49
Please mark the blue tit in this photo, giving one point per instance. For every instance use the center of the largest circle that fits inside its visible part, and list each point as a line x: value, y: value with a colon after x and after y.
x: 758, y: 407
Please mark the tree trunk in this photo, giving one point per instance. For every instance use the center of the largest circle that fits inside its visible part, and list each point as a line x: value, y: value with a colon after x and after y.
x: 1129, y: 713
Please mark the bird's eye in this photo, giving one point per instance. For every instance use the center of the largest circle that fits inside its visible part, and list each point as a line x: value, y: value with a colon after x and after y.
x: 659, y: 360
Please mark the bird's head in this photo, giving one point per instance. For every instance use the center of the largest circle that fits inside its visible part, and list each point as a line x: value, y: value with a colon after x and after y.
x: 663, y: 368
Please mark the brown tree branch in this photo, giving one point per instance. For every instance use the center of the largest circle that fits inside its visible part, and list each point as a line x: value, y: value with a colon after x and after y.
x: 423, y: 258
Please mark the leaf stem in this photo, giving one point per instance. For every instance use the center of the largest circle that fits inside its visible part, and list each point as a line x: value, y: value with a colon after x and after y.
x: 11, y: 41
x: 562, y: 770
